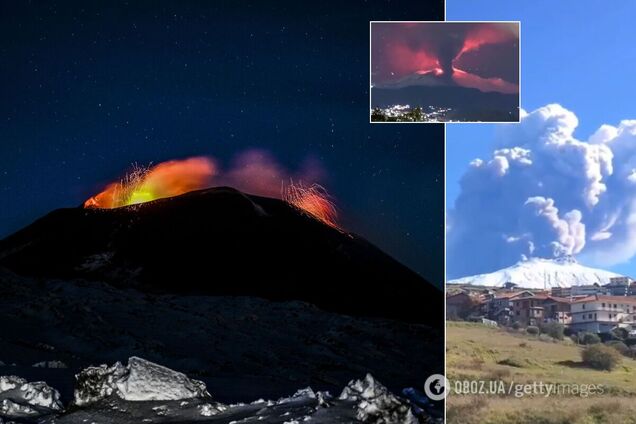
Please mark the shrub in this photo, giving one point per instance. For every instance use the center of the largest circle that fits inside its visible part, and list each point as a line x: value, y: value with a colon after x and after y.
x: 601, y: 357
x: 568, y: 341
x: 553, y: 329
x: 546, y: 338
x: 587, y: 338
x: 620, y: 333
x: 532, y: 330
x: 619, y: 346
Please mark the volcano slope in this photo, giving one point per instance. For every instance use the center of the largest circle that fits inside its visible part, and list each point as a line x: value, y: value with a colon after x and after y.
x: 222, y: 242
x: 246, y: 293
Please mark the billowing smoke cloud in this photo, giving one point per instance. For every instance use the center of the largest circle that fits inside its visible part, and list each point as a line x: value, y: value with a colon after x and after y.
x: 545, y: 193
x: 482, y: 50
x: 258, y: 172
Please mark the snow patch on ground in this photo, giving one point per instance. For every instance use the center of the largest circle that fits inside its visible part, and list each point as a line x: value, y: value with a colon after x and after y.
x: 375, y: 404
x: 19, y: 398
x: 146, y: 392
x: 50, y: 364
x: 140, y: 380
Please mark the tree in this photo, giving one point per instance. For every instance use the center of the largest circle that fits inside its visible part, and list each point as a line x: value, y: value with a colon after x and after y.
x: 553, y: 329
x: 377, y: 115
x: 587, y: 338
x: 620, y: 333
x: 416, y: 114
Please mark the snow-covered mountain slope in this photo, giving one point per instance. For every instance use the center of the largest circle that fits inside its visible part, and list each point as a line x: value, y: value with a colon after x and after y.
x: 538, y: 273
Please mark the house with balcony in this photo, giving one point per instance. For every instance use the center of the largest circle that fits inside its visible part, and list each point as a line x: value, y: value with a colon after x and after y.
x: 602, y: 313
x: 528, y: 310
x: 557, y: 309
x: 540, y: 309
x: 499, y: 307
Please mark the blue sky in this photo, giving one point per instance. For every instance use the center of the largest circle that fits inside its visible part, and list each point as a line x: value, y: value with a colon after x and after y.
x: 581, y: 55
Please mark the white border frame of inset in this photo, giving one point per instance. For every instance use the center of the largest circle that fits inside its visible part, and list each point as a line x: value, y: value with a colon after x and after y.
x: 444, y: 22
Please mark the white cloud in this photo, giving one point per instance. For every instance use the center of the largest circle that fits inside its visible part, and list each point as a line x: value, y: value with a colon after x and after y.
x: 543, y: 192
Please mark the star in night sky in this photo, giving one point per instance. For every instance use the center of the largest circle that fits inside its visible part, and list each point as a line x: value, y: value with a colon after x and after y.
x: 90, y: 87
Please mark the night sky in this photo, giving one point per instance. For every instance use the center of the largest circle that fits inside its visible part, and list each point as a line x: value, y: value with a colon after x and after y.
x: 88, y: 89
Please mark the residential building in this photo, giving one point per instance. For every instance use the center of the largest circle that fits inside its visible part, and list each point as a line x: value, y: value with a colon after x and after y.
x: 541, y: 308
x: 528, y: 310
x: 618, y: 286
x: 602, y: 313
x: 459, y: 305
x: 499, y: 307
x: 582, y: 290
x: 587, y: 290
x: 561, y: 291
x: 558, y: 309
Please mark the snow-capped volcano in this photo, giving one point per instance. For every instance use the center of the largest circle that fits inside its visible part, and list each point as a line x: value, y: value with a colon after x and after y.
x: 539, y: 273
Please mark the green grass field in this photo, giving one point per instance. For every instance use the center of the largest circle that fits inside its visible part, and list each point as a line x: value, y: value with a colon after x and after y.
x: 475, y: 352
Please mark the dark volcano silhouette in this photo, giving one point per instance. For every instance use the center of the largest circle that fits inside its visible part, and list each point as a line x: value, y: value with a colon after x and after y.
x: 222, y: 242
x: 452, y: 96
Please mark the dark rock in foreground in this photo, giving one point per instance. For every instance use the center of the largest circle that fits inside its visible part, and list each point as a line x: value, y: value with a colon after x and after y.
x: 242, y: 347
x: 142, y: 391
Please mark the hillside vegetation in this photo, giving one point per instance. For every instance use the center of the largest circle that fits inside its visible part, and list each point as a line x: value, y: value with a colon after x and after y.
x: 479, y: 353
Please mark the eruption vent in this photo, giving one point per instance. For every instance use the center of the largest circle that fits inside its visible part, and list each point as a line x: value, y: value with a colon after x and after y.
x: 313, y: 200
x: 251, y: 174
x: 144, y: 184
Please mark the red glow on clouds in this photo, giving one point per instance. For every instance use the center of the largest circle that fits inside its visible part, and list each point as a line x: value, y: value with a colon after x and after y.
x: 486, y: 33
x: 466, y: 79
x: 405, y: 61
x: 403, y: 49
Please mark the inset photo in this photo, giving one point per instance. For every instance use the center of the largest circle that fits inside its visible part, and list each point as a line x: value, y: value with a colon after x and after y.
x: 445, y: 71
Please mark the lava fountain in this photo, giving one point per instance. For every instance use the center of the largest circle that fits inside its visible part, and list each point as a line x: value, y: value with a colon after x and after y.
x: 313, y: 200
x: 166, y: 179
x: 172, y: 178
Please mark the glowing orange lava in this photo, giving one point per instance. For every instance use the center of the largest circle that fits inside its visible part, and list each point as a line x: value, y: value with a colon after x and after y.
x: 251, y: 174
x: 314, y: 200
x: 164, y: 180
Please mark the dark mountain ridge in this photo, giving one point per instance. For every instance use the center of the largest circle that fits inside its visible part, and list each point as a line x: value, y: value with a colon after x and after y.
x: 222, y: 242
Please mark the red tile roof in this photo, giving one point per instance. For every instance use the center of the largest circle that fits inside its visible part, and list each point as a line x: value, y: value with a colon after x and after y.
x: 608, y: 299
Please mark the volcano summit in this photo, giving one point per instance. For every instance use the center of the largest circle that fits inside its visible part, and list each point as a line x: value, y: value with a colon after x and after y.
x: 222, y: 242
